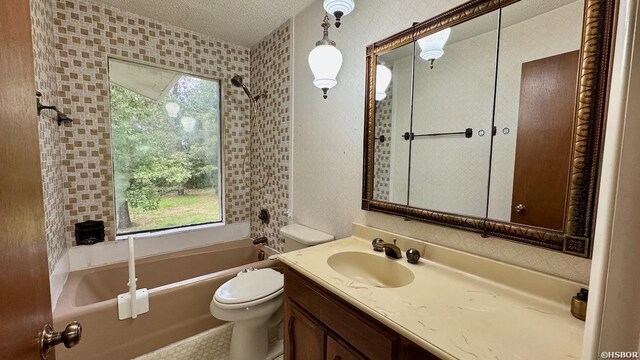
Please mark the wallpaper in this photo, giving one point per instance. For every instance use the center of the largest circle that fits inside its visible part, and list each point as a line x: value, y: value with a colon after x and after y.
x: 327, y: 141
x: 271, y: 72
x: 86, y: 34
x: 50, y: 152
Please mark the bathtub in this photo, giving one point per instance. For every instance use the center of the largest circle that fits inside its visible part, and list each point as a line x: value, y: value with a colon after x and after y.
x: 180, y: 286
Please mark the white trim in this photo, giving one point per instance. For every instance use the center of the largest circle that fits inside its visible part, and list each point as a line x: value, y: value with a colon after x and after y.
x: 58, y: 278
x: 609, y: 177
x: 155, y: 243
x: 292, y: 64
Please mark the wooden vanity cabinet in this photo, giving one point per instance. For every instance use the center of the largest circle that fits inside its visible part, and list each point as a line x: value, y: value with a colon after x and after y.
x: 321, y: 326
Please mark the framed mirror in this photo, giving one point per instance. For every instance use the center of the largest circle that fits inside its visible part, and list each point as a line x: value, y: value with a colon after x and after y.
x: 489, y: 117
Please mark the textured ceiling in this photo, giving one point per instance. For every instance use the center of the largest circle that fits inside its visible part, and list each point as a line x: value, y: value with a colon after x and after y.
x: 242, y: 22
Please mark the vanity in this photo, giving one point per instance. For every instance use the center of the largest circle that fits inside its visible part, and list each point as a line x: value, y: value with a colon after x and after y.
x: 345, y: 301
x: 319, y: 325
x: 487, y: 118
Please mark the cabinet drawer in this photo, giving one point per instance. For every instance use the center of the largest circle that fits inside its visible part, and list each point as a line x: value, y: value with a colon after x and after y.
x: 371, y: 339
x: 336, y: 350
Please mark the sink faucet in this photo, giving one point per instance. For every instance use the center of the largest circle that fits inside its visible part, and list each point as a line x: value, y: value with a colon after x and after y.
x: 392, y: 250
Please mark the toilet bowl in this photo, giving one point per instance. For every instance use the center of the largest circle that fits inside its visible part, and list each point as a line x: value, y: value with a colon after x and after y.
x: 250, y: 300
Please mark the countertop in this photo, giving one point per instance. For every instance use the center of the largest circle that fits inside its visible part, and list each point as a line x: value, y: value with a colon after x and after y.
x: 457, y: 314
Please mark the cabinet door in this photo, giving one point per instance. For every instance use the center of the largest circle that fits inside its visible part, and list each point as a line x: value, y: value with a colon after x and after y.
x: 411, y: 351
x: 304, y: 338
x: 337, y: 350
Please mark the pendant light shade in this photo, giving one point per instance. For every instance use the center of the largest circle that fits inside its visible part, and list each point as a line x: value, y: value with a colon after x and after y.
x: 383, y: 79
x: 188, y: 123
x: 339, y: 8
x: 432, y: 46
x: 325, y: 61
x: 172, y: 109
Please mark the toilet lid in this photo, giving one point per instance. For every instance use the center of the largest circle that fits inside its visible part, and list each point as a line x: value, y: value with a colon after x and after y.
x: 250, y: 286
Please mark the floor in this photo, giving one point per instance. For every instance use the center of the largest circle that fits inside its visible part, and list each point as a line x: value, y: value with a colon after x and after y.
x: 209, y: 345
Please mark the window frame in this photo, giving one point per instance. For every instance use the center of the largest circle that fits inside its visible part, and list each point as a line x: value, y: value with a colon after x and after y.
x: 219, y: 149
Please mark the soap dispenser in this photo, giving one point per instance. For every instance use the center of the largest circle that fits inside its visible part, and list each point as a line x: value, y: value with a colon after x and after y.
x: 579, y: 304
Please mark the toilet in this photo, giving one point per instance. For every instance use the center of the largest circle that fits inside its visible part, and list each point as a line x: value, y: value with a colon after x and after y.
x: 249, y: 300
x: 253, y: 301
x: 298, y: 236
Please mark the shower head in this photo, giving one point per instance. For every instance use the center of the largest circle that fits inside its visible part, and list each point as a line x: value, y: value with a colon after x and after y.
x: 236, y: 81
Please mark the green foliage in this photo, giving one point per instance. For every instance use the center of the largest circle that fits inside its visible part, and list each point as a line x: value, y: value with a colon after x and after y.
x: 196, y: 207
x: 153, y: 153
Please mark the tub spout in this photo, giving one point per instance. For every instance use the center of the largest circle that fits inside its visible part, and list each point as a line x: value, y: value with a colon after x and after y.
x: 260, y: 240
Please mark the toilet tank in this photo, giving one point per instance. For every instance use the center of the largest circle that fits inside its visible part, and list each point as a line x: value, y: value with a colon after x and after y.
x: 298, y: 236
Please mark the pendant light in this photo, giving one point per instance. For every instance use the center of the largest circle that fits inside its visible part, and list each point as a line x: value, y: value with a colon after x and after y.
x: 432, y: 46
x: 172, y: 109
x: 325, y: 61
x: 188, y: 123
x: 339, y: 8
x: 383, y: 79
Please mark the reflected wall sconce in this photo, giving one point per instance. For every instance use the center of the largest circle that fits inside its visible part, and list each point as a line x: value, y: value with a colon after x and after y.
x: 432, y: 46
x: 325, y: 61
x: 188, y: 123
x: 172, y: 109
x: 383, y: 79
x: 339, y: 8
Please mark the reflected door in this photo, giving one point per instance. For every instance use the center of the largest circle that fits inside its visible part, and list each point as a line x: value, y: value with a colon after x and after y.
x: 543, y: 148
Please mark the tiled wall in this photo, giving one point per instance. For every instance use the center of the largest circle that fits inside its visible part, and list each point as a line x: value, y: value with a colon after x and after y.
x: 50, y: 157
x: 382, y: 149
x: 271, y: 71
x: 87, y: 34
x: 327, y: 174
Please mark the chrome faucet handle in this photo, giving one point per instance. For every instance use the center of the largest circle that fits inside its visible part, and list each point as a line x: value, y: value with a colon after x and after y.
x: 377, y: 244
x: 413, y: 256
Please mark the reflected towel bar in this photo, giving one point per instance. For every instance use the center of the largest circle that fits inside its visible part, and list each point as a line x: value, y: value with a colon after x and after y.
x: 467, y: 134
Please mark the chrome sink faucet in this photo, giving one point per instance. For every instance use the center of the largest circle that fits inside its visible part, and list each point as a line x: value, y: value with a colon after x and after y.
x: 391, y: 250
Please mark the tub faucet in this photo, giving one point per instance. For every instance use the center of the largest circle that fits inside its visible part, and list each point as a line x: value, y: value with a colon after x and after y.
x: 260, y: 240
x: 392, y: 250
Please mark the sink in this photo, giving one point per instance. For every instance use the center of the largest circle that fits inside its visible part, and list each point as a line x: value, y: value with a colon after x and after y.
x: 371, y: 269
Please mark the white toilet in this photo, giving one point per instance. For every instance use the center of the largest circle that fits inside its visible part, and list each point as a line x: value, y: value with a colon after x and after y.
x: 297, y: 237
x: 249, y: 300
x: 252, y: 300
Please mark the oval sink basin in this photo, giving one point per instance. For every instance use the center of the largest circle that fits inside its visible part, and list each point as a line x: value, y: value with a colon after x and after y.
x: 371, y: 269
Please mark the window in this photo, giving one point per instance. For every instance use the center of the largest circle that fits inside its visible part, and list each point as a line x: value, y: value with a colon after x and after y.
x: 165, y: 138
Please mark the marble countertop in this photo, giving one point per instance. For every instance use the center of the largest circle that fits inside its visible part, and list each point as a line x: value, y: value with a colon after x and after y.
x: 456, y: 314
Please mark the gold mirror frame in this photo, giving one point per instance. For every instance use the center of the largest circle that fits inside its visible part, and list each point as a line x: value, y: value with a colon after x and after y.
x: 595, y: 52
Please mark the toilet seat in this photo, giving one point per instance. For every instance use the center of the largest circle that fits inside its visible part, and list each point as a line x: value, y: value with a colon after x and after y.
x: 249, y: 289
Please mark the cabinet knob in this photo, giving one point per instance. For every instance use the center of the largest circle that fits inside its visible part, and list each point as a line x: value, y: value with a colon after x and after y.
x: 520, y: 208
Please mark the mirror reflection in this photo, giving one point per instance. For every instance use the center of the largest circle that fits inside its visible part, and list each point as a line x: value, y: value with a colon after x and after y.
x: 435, y: 115
x: 535, y: 111
x: 394, y: 77
x: 452, y: 112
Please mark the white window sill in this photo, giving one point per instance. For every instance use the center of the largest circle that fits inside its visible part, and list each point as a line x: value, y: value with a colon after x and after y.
x: 156, y: 243
x: 159, y: 233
